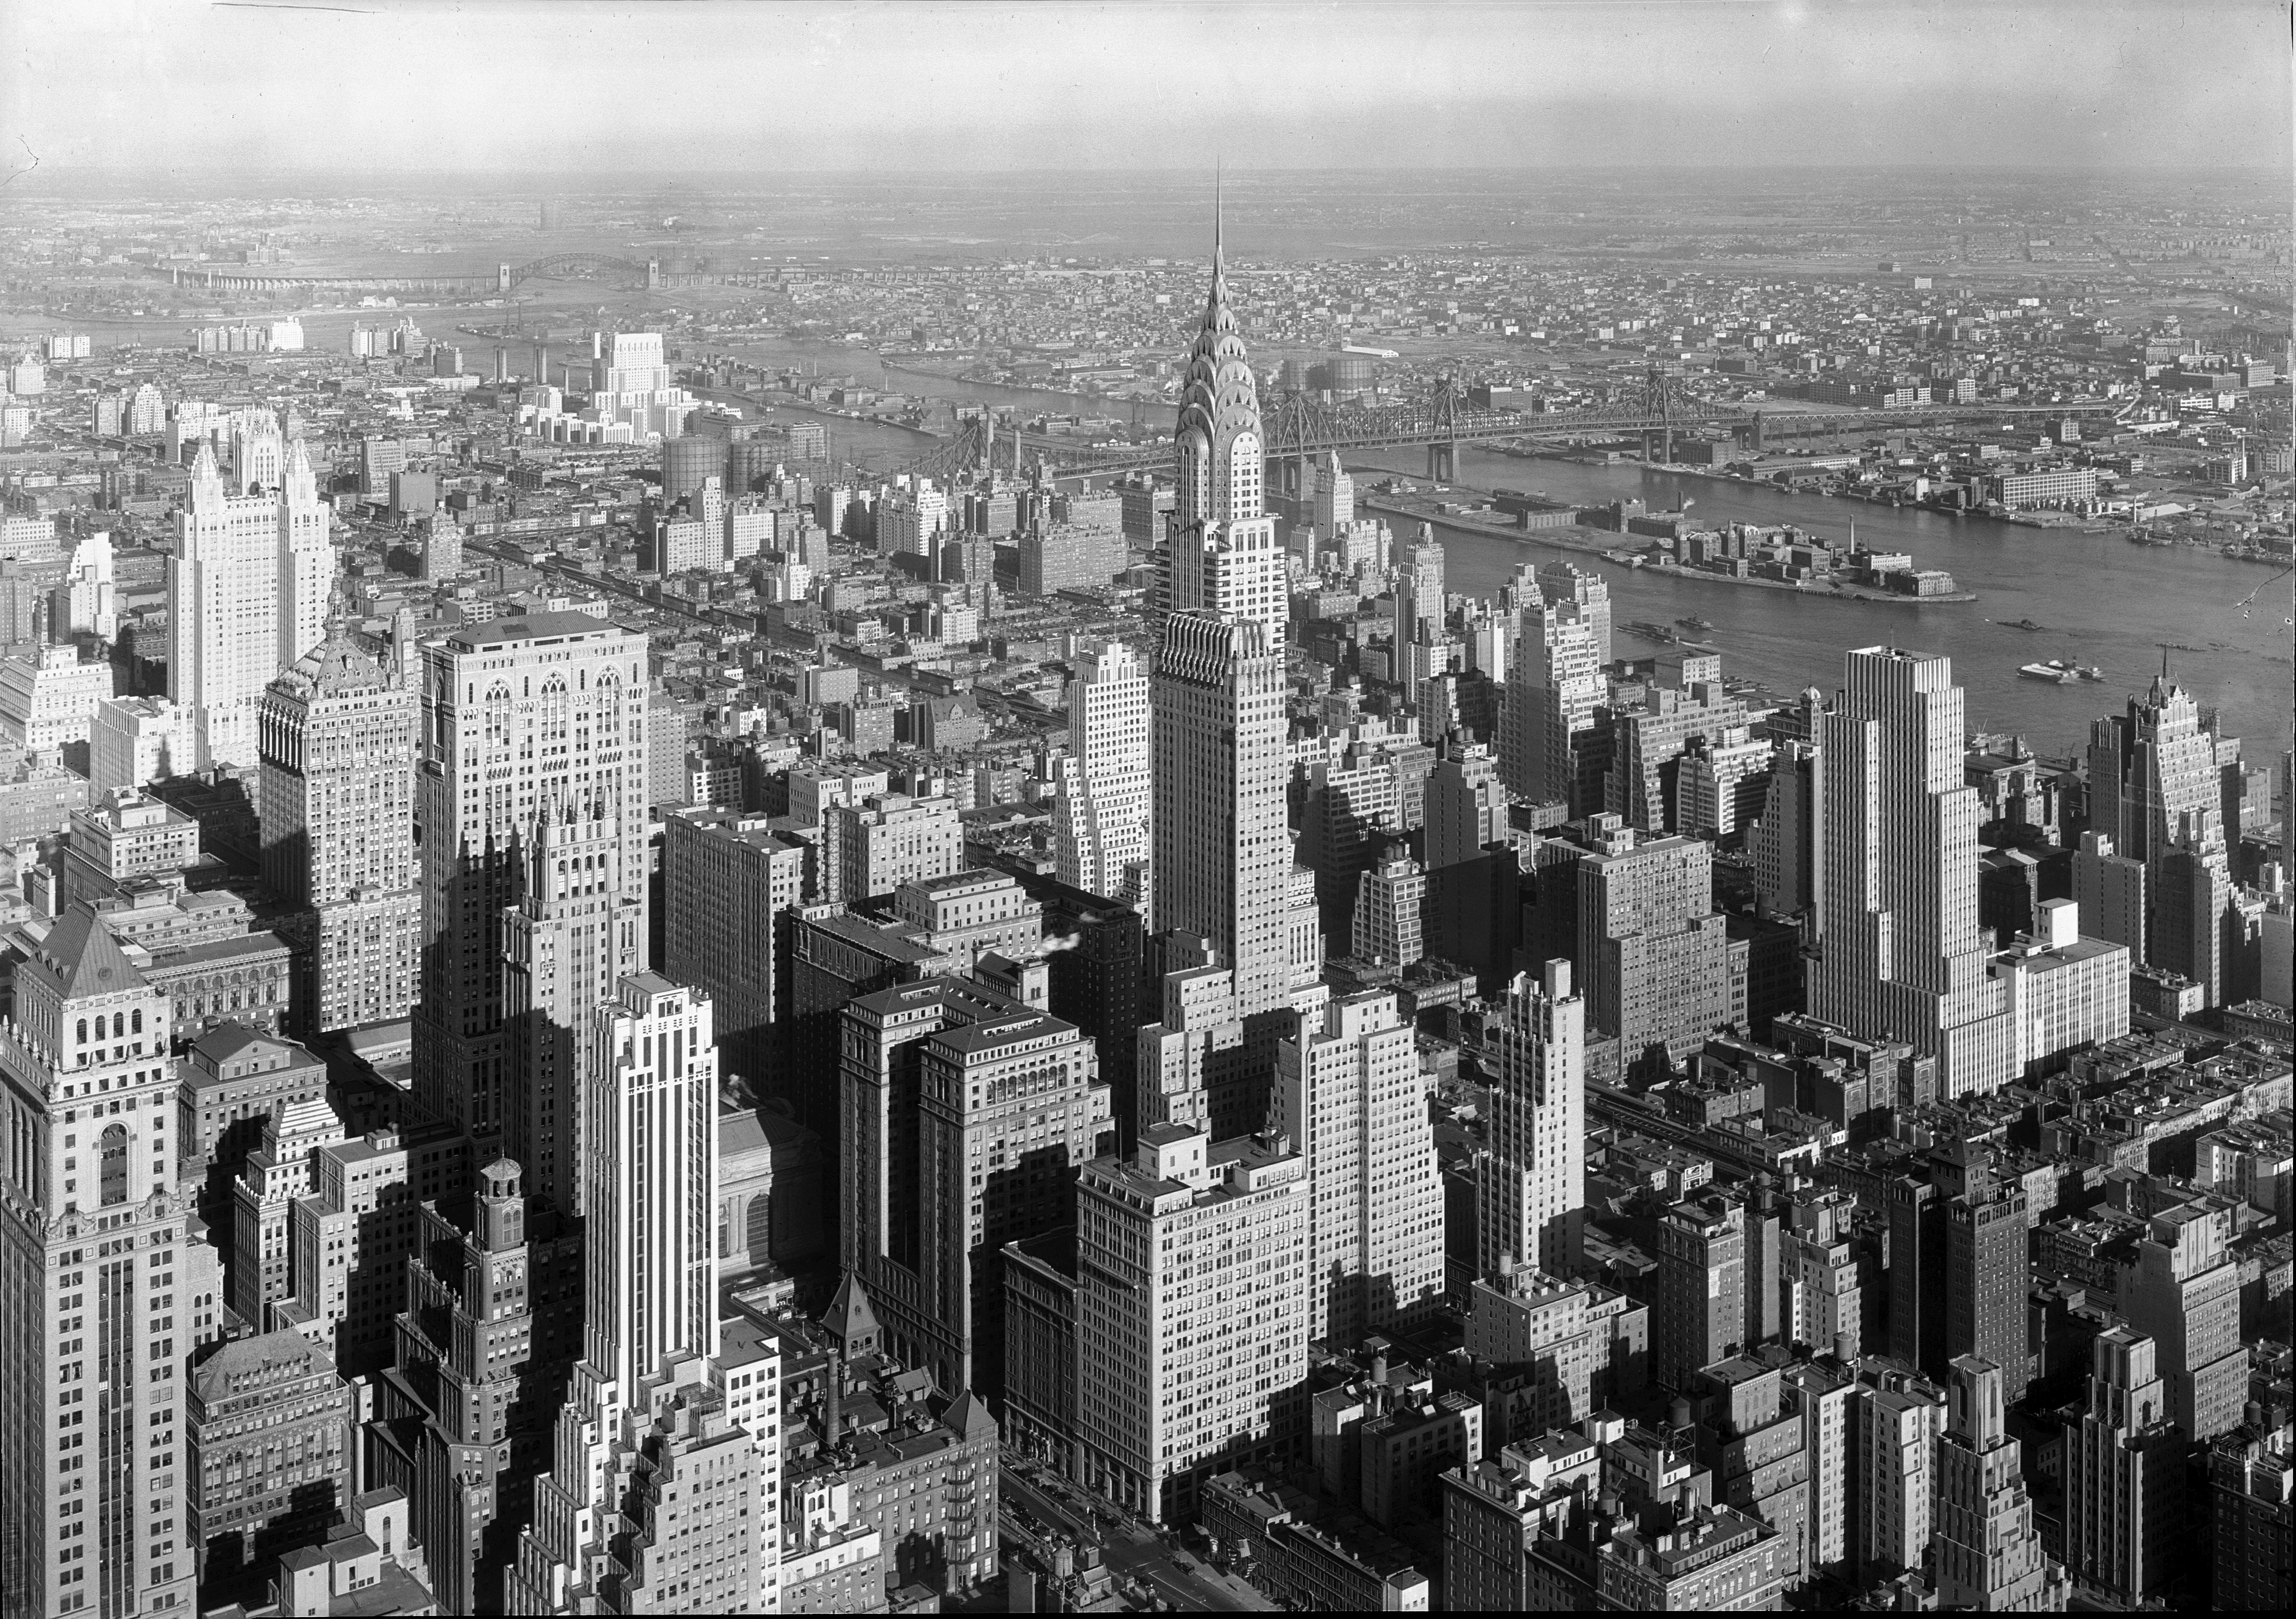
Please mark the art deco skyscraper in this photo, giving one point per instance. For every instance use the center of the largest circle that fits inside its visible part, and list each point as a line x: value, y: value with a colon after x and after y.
x: 527, y: 719
x: 1533, y: 1183
x: 648, y: 1155
x: 2124, y: 1471
x: 1220, y: 553
x: 336, y: 803
x: 246, y: 595
x: 1100, y: 818
x: 1988, y: 1554
x: 1903, y: 956
x: 1221, y: 829
x: 91, y: 1437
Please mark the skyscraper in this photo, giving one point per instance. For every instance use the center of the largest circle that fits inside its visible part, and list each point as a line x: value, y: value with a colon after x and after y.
x: 1220, y: 553
x: 88, y: 1416
x: 1335, y: 499
x: 1903, y: 957
x: 1653, y: 953
x: 1350, y: 1096
x: 1099, y: 816
x: 1554, y: 683
x: 1222, y: 867
x: 1419, y: 597
x: 2124, y: 1471
x: 965, y: 1115
x: 1532, y: 1191
x: 246, y: 595
x: 1988, y: 1554
x: 336, y: 805
x: 576, y: 931
x: 525, y: 719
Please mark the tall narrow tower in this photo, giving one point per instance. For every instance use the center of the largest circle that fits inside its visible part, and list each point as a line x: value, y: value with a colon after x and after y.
x: 1533, y: 1182
x: 93, y: 1334
x: 1904, y: 958
x: 1220, y: 552
x: 1222, y: 826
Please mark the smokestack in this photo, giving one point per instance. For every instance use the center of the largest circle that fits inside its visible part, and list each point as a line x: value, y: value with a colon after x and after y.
x: 833, y: 1411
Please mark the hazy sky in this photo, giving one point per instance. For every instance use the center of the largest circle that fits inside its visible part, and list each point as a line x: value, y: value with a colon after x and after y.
x: 765, y: 86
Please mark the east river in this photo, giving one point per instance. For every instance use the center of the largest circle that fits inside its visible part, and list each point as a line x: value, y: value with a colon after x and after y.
x: 2099, y: 600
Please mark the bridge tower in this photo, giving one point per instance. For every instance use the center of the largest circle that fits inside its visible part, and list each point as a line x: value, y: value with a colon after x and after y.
x: 1443, y: 446
x: 654, y: 274
x: 1658, y: 400
x: 502, y: 278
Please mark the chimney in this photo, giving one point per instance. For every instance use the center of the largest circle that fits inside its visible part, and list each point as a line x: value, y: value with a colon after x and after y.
x: 833, y: 1412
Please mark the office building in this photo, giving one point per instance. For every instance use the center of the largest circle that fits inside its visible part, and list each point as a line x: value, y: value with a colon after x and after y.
x: 1191, y: 1308
x: 725, y: 879
x: 1904, y: 958
x: 1988, y: 1243
x: 1222, y: 861
x: 2124, y: 1476
x: 1419, y: 598
x: 48, y: 699
x: 871, y: 847
x: 350, y: 1240
x: 1350, y: 1097
x: 337, y: 738
x: 1335, y: 499
x: 268, y: 1455
x: 247, y: 583
x: 2183, y: 1291
x: 2108, y: 891
x: 1900, y: 1417
x: 1988, y: 1555
x: 89, y: 1412
x: 1554, y: 686
x: 1219, y: 554
x: 576, y: 933
x: 966, y: 1114
x: 525, y: 719
x: 1698, y: 1313
x: 2066, y: 992
x: 1653, y: 953
x: 274, y: 1173
x: 134, y: 742
x: 1588, y: 1346
x: 1101, y: 811
x: 2253, y: 1516
x: 492, y: 1320
x: 1531, y: 1194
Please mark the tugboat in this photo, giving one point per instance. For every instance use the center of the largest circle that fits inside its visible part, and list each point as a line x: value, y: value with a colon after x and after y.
x: 2022, y: 624
x: 2056, y: 672
x: 1694, y: 623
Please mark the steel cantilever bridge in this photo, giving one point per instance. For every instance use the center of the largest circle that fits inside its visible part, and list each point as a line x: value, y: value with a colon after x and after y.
x: 1301, y: 428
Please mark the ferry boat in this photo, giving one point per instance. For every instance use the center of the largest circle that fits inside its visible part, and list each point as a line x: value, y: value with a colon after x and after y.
x: 1695, y: 624
x: 1652, y: 632
x: 2059, y: 672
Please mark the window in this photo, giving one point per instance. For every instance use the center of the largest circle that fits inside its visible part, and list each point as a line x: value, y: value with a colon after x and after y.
x: 112, y: 1161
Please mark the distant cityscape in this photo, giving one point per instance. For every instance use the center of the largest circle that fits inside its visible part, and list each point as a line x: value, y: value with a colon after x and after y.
x: 699, y: 929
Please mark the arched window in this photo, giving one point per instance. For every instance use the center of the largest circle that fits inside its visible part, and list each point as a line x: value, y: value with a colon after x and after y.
x: 111, y: 1164
x: 83, y: 1031
x: 137, y: 1022
x: 119, y: 1025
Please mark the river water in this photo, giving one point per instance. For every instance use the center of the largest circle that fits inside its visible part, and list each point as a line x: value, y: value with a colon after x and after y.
x: 2100, y: 600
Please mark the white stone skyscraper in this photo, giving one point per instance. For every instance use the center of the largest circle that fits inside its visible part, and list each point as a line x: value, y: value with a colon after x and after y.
x: 648, y: 1157
x: 1533, y: 1181
x: 1099, y: 816
x: 93, y: 1515
x: 1553, y: 686
x: 1335, y: 499
x: 1419, y: 592
x: 529, y: 718
x: 1350, y: 1097
x: 1220, y: 552
x: 246, y: 595
x: 1903, y: 957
